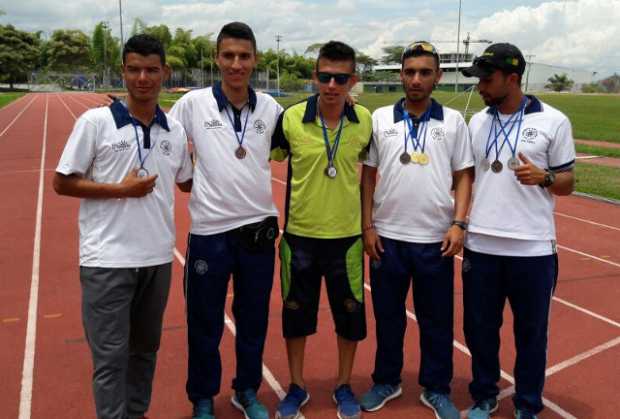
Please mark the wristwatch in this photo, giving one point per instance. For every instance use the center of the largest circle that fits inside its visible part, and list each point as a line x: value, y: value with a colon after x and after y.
x: 548, y: 179
x: 461, y: 224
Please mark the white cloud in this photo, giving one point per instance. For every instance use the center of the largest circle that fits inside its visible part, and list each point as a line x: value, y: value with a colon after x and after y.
x: 583, y: 33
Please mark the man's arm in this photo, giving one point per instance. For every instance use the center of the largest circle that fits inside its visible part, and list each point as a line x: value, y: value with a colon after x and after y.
x: 77, y: 186
x: 455, y: 236
x: 372, y: 242
x: 530, y: 174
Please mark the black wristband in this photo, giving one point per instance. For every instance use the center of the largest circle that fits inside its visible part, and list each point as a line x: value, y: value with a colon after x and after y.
x: 461, y: 224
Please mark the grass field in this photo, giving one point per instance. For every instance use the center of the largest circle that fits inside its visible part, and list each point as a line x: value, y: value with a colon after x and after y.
x: 598, y: 180
x: 598, y: 151
x: 6, y: 98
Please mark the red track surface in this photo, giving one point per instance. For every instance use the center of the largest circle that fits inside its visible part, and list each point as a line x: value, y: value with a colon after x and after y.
x: 585, y: 320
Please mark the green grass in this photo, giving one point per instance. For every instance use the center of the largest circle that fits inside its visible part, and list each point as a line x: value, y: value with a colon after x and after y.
x: 6, y: 98
x: 594, y: 117
x: 598, y: 151
x: 598, y: 180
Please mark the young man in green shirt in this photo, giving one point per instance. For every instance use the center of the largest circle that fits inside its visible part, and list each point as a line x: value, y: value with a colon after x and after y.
x: 323, y: 138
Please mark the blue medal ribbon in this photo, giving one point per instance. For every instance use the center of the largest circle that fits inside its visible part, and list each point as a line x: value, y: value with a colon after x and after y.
x: 142, y: 160
x: 331, y: 151
x: 520, y: 111
x: 420, y: 134
x: 245, y: 124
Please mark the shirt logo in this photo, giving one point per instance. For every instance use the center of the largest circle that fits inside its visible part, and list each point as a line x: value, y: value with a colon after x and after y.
x: 259, y: 126
x: 392, y: 132
x: 529, y: 134
x: 121, y: 146
x: 213, y: 124
x: 438, y: 134
x: 165, y: 147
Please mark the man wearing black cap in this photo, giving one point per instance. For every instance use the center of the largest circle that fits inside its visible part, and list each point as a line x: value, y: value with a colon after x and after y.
x: 525, y: 154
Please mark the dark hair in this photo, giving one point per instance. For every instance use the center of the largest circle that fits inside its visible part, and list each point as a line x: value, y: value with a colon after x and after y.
x: 144, y: 44
x: 336, y: 51
x: 507, y: 73
x: 419, y: 49
x: 236, y: 30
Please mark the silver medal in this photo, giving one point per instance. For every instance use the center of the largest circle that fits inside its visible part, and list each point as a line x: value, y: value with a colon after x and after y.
x: 513, y: 163
x: 331, y: 172
x: 485, y: 165
x: 142, y: 172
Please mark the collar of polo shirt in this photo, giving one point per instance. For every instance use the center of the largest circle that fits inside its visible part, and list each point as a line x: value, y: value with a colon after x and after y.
x: 122, y: 117
x: 222, y: 100
x: 311, y: 111
x: 436, y: 110
x: 533, y: 106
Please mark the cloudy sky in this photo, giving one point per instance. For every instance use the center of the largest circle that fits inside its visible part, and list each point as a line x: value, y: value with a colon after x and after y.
x: 582, y: 34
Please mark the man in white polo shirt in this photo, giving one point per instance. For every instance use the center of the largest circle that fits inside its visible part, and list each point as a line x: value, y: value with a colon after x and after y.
x: 123, y: 161
x: 413, y: 227
x: 525, y: 154
x: 234, y: 223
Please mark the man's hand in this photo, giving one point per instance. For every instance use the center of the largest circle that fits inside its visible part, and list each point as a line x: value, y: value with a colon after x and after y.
x: 372, y: 244
x: 528, y: 173
x: 134, y: 186
x: 453, y: 241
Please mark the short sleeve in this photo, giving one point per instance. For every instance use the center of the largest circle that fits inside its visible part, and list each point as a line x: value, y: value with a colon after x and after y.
x: 280, y: 146
x: 462, y: 154
x: 561, y: 154
x: 186, y: 168
x: 372, y: 159
x: 80, y: 149
x: 182, y: 112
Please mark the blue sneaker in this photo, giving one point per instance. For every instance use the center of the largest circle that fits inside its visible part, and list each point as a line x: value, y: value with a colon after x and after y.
x: 441, y: 405
x: 375, y: 398
x: 524, y: 414
x: 482, y: 409
x: 203, y: 409
x: 348, y: 406
x: 247, y: 402
x: 290, y: 405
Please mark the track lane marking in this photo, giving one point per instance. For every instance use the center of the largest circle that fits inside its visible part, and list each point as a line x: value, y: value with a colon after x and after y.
x: 583, y: 220
x: 25, y: 398
x: 17, y: 116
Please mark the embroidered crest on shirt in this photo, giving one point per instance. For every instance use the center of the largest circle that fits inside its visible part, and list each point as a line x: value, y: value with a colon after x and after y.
x: 165, y: 147
x: 213, y: 124
x: 392, y: 132
x: 438, y: 134
x: 121, y: 146
x: 529, y: 134
x: 260, y: 126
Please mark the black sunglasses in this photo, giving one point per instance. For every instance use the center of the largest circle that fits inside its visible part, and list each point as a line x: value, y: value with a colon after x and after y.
x: 339, y: 78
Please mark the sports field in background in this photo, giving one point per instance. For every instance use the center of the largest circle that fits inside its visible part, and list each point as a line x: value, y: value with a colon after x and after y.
x: 594, y: 117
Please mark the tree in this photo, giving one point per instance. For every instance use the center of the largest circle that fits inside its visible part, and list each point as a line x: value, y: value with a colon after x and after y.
x: 160, y: 32
x: 313, y: 48
x: 105, y: 50
x: 558, y: 82
x: 138, y: 26
x: 365, y: 62
x: 393, y: 54
x: 19, y: 53
x: 611, y: 84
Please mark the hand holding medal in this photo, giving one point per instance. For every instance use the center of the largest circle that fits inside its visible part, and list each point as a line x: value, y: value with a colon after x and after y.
x: 136, y: 186
x: 528, y: 173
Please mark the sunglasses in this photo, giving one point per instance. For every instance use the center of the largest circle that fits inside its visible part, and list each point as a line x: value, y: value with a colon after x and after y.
x: 339, y: 78
x: 421, y: 47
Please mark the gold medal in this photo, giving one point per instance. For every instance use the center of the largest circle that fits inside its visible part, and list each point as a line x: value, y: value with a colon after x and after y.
x: 415, y: 157
x: 423, y: 159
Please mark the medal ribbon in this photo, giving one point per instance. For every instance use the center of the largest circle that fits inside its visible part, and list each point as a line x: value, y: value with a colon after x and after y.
x: 415, y: 140
x: 519, y: 112
x: 142, y: 160
x: 232, y: 123
x: 331, y: 151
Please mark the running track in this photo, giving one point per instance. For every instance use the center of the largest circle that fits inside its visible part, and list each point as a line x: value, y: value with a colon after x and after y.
x: 45, y: 362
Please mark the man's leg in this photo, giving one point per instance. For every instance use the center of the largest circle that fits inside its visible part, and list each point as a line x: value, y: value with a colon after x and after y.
x: 106, y: 306
x: 147, y: 314
x: 433, y: 296
x: 252, y: 281
x: 531, y: 284
x: 207, y: 271
x: 390, y: 280
x: 484, y: 297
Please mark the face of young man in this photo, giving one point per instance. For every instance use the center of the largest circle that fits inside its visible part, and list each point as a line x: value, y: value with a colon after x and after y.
x: 419, y: 76
x: 327, y: 79
x: 495, y: 88
x: 236, y: 60
x: 144, y: 75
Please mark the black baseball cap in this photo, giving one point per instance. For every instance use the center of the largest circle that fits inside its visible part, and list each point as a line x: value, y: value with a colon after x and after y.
x: 502, y: 56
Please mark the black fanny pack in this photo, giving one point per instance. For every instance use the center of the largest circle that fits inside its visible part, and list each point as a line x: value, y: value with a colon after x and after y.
x: 259, y: 236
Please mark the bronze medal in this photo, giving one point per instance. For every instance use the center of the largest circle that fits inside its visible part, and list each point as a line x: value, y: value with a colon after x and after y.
x: 240, y: 153
x: 497, y: 166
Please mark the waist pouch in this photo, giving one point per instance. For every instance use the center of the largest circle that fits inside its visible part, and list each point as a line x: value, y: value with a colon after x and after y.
x: 260, y: 236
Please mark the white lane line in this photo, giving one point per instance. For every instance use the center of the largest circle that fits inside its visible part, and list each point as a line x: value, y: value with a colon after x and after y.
x: 582, y: 356
x: 586, y: 157
x: 17, y: 116
x: 586, y: 311
x: 278, y: 180
x: 609, y: 262
x: 79, y: 103
x: 583, y: 220
x: 66, y: 106
x: 267, y: 374
x: 552, y: 406
x: 25, y: 398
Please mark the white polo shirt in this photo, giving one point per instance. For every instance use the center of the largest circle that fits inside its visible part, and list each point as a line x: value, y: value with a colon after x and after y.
x: 508, y: 218
x: 413, y: 202
x: 228, y: 192
x: 128, y: 232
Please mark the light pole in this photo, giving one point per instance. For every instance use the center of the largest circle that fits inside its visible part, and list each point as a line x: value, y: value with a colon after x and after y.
x: 527, y: 75
x: 278, y: 39
x: 458, y: 51
x: 120, y: 16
